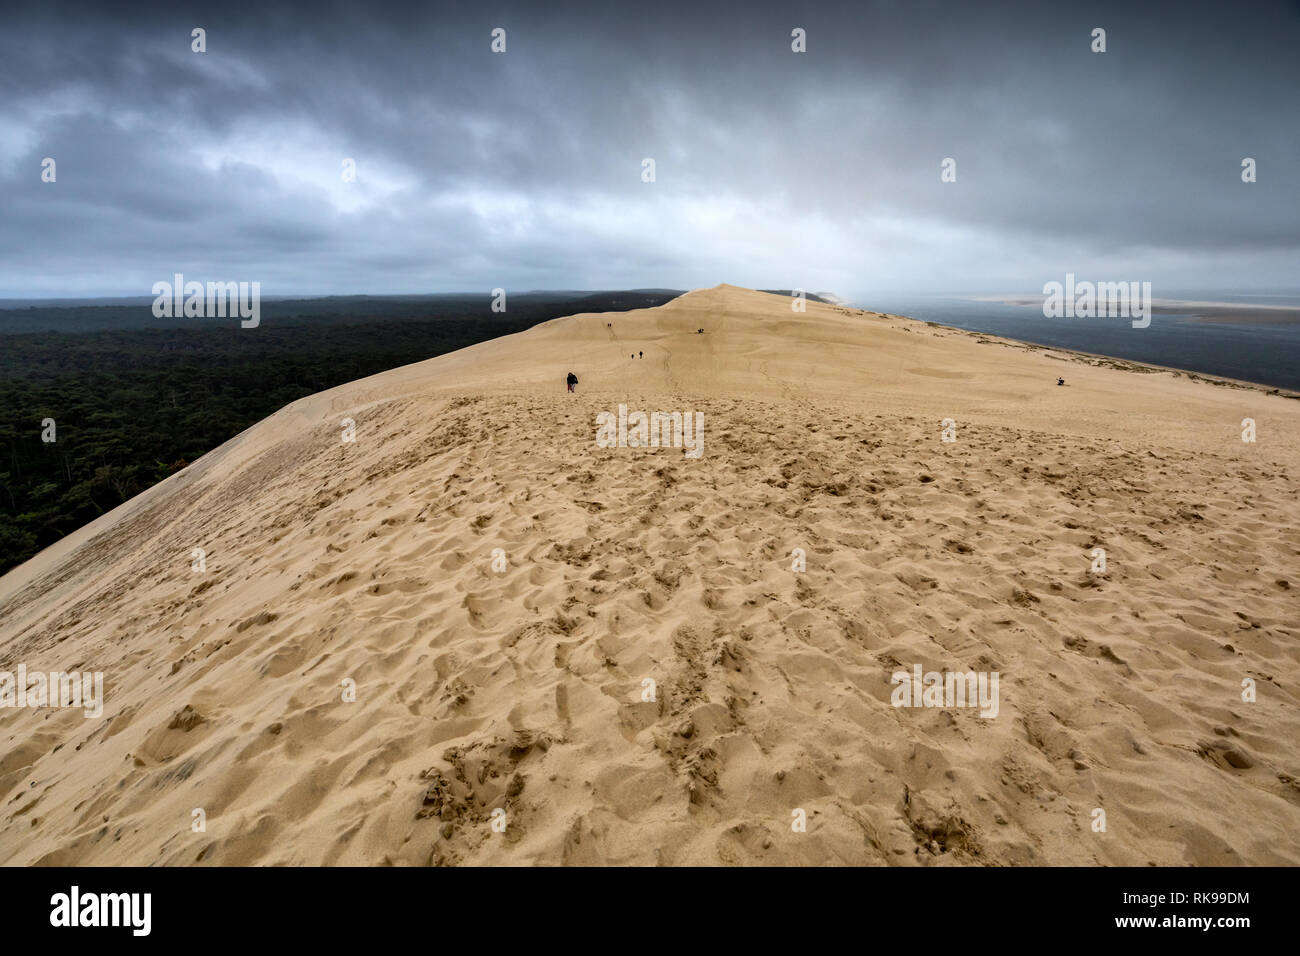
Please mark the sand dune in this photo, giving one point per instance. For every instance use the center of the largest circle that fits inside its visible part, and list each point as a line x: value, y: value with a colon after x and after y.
x: 521, y: 689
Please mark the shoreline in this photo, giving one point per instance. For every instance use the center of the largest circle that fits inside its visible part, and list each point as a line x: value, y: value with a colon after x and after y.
x: 1220, y: 380
x: 1196, y: 310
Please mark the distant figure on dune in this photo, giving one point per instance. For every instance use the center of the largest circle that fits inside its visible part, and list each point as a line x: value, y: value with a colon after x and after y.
x: 640, y: 355
x: 699, y: 331
x: 572, y: 381
x: 1060, y: 381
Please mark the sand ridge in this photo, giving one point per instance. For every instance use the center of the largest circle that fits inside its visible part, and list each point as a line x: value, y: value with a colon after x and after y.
x: 479, y: 690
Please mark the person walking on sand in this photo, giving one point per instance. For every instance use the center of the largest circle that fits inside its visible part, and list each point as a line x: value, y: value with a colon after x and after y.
x: 572, y: 380
x: 640, y: 355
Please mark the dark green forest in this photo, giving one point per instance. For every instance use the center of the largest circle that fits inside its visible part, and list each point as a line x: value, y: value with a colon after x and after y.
x: 133, y: 403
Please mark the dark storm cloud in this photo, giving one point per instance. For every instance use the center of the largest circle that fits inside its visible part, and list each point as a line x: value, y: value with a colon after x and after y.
x: 522, y: 170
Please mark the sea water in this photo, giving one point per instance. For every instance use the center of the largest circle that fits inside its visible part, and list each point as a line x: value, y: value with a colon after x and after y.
x: 1267, y: 354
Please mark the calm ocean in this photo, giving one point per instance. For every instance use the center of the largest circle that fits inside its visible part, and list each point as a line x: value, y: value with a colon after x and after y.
x: 1267, y: 354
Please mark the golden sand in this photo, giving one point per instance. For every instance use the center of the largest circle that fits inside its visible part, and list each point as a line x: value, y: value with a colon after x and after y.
x: 519, y: 688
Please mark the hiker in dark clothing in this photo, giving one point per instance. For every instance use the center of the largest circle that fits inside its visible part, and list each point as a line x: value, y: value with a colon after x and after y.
x: 572, y: 380
x: 640, y: 355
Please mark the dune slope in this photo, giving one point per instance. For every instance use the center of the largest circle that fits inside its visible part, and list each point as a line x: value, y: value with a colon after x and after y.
x: 517, y: 679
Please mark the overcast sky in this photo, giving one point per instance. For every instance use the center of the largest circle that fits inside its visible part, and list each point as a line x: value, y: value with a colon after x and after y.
x: 818, y: 170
